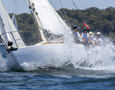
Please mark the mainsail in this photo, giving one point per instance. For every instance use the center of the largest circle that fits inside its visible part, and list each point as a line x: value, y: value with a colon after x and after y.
x: 8, y: 31
x: 48, y: 17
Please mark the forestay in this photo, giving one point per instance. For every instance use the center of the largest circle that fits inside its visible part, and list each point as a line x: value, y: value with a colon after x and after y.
x: 48, y: 17
x: 8, y: 31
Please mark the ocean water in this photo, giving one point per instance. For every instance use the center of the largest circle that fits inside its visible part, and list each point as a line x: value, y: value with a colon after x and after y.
x: 60, y: 80
x: 44, y: 81
x: 86, y: 69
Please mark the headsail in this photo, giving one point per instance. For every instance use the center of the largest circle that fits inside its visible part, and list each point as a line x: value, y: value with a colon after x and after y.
x: 48, y: 17
x: 8, y: 31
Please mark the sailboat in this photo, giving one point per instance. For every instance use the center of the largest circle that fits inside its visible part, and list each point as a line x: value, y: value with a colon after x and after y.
x: 47, y: 20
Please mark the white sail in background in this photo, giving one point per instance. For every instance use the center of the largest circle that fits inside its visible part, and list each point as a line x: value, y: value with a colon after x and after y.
x: 48, y: 17
x: 14, y: 21
x: 8, y: 31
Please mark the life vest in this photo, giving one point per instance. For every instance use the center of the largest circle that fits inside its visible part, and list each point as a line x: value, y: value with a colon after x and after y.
x: 76, y: 36
x: 85, y: 36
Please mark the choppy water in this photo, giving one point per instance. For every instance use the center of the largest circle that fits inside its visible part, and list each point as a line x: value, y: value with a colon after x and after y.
x: 88, y: 69
x: 85, y: 80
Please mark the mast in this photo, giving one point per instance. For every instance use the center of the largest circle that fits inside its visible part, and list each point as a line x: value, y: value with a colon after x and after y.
x: 47, y: 19
x: 36, y: 19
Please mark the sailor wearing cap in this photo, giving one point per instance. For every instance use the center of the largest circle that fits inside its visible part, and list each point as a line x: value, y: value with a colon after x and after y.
x: 99, y: 38
x: 85, y: 36
x: 91, y: 38
x: 76, y: 34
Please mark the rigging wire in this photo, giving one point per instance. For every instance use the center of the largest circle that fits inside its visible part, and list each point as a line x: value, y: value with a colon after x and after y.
x: 74, y: 4
x: 57, y: 12
x: 64, y: 13
x: 66, y: 19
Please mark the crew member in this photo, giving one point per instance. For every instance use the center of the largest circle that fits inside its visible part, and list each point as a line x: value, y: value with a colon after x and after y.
x: 76, y: 34
x: 85, y: 36
x: 99, y: 39
x: 91, y: 39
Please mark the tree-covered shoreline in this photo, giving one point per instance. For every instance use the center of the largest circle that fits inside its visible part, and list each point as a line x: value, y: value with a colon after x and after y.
x: 99, y: 20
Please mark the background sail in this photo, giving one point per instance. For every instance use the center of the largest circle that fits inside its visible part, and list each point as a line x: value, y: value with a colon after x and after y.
x: 14, y: 21
x: 48, y: 17
x: 8, y: 31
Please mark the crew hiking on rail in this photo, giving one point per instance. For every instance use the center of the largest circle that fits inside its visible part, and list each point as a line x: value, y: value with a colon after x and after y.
x: 86, y: 37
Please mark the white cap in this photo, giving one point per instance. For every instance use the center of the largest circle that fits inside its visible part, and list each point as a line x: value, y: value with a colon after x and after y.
x: 91, y: 33
x: 98, y: 33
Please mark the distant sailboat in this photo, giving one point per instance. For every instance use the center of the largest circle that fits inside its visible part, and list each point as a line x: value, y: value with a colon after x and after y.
x: 46, y: 19
x: 14, y: 21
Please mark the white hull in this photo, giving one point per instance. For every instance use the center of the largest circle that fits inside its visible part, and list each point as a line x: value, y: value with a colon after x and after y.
x: 33, y: 54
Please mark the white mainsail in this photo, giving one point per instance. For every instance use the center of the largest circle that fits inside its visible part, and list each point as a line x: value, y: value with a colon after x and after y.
x: 8, y: 31
x: 48, y: 17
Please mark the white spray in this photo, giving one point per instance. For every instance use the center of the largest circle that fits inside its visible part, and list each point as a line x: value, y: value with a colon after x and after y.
x: 77, y: 55
x: 3, y: 61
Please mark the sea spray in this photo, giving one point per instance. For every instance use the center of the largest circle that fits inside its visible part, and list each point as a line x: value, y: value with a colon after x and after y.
x: 75, y: 55
x: 78, y: 56
x: 3, y: 66
x: 3, y: 58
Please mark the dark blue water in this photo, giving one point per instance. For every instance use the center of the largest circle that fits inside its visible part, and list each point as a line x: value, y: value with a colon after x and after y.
x: 57, y: 79
x: 43, y: 81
